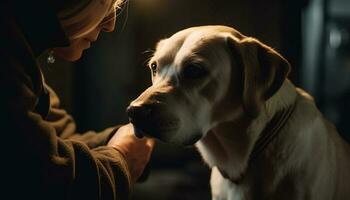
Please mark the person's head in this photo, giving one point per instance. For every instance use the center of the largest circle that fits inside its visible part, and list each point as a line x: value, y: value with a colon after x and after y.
x: 82, y: 21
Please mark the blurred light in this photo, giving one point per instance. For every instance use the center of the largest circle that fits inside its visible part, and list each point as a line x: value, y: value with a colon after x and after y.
x: 335, y: 38
x: 150, y: 5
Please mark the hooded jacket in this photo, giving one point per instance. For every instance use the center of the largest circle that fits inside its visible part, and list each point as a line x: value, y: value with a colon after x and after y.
x: 42, y: 157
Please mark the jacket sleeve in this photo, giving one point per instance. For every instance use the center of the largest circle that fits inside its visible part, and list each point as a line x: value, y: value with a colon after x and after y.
x: 75, y: 171
x: 36, y: 162
x: 65, y: 126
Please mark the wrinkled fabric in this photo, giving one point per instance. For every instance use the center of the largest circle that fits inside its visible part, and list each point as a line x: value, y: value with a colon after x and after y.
x: 42, y: 156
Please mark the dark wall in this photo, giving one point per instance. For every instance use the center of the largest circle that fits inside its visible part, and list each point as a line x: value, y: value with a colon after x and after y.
x: 325, y: 72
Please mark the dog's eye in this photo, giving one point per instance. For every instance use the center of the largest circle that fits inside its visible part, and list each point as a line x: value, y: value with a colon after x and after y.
x: 154, y: 68
x: 194, y: 71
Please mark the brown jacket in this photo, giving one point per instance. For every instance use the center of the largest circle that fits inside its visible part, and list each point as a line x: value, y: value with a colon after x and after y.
x: 42, y: 155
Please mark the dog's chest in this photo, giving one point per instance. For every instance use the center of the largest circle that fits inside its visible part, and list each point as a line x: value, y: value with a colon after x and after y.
x: 223, y: 189
x: 211, y: 151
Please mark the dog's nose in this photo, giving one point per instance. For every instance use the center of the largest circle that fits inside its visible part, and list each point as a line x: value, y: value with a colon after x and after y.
x: 136, y: 113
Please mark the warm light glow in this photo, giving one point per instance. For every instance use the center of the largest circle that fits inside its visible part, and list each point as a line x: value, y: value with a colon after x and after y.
x: 150, y: 5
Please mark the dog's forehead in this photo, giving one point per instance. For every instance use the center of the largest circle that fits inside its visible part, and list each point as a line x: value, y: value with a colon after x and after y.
x: 188, y: 41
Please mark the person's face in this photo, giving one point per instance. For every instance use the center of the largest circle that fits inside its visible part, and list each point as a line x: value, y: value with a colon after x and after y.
x: 74, y: 51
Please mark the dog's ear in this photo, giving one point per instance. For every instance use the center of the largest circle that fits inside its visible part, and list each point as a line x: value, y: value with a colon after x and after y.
x: 263, y: 71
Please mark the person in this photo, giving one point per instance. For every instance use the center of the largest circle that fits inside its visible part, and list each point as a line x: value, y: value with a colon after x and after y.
x: 42, y: 155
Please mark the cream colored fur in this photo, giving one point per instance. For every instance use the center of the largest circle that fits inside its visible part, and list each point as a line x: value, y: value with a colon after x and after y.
x: 306, y: 160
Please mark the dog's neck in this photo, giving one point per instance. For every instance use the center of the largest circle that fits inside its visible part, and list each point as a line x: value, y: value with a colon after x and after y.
x: 229, y: 145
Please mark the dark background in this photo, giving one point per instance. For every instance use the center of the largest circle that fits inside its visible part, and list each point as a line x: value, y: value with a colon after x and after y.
x: 314, y: 35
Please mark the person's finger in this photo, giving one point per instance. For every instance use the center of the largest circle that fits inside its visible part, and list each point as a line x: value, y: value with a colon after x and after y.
x: 150, y: 142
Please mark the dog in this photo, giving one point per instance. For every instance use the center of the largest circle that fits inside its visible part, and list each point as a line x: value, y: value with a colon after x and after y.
x: 229, y: 95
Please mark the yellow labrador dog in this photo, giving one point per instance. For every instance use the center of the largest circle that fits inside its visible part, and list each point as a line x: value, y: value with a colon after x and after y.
x: 228, y: 94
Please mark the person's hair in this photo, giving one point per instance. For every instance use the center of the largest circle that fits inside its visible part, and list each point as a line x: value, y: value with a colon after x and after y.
x: 79, y: 17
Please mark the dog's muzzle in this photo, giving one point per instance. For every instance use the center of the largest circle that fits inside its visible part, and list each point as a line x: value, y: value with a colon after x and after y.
x: 137, y: 115
x: 150, y: 120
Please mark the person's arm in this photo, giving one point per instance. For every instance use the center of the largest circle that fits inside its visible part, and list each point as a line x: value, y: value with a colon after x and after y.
x: 63, y: 168
x: 65, y: 129
x: 65, y: 126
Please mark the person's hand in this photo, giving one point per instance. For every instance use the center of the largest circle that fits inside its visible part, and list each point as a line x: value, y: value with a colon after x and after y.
x: 136, y: 152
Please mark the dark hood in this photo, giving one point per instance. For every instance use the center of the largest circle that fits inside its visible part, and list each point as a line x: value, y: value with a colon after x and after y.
x: 39, y: 24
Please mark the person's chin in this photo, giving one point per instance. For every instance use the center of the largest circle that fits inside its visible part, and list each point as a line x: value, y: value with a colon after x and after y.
x: 71, y: 57
x: 75, y: 58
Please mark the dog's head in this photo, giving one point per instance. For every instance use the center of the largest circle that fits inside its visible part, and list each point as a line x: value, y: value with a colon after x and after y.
x: 204, y: 76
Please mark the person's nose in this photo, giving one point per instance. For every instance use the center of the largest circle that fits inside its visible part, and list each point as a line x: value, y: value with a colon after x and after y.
x: 109, y: 26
